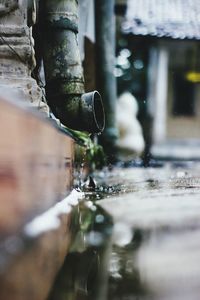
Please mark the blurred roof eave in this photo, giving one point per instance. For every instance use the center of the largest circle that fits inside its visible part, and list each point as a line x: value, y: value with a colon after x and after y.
x: 175, y: 19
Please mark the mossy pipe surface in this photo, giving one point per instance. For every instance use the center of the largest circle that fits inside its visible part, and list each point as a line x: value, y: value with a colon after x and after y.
x: 63, y: 69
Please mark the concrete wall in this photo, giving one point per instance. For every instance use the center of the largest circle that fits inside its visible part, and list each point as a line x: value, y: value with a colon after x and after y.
x: 16, y: 48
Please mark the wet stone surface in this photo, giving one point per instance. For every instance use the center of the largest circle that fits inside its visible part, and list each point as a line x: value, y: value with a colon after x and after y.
x: 153, y: 251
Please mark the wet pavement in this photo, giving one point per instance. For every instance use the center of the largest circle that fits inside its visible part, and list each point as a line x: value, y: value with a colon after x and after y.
x: 139, y: 236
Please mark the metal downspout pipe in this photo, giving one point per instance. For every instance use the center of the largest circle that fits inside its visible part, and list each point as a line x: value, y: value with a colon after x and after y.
x: 105, y: 61
x: 63, y: 70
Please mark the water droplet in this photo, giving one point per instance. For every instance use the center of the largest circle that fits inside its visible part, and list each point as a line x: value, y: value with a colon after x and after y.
x: 181, y: 174
x: 99, y: 219
x: 94, y: 238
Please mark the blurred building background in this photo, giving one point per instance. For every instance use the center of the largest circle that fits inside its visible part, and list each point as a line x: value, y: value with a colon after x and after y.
x: 158, y: 60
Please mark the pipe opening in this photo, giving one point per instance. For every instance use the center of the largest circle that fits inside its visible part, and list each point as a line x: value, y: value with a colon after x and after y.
x: 93, y: 116
x: 98, y: 109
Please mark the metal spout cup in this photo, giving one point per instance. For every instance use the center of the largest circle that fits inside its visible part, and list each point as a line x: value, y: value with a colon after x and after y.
x: 92, y: 112
x: 79, y: 112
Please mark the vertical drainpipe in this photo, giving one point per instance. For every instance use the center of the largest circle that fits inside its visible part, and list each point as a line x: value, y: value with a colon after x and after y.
x: 105, y: 62
x: 63, y: 69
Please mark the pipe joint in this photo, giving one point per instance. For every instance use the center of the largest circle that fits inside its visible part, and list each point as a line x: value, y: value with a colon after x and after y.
x: 67, y: 21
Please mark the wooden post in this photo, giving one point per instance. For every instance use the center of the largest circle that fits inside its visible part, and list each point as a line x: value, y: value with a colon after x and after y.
x: 105, y: 63
x: 160, y: 96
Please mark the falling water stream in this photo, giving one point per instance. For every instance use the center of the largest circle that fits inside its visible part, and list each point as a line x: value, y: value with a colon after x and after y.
x: 138, y: 237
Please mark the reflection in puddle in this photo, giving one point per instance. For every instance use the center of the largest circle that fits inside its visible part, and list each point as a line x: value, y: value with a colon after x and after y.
x: 78, y: 277
x: 124, y: 276
x: 84, y: 273
x: 157, y: 265
x: 150, y: 248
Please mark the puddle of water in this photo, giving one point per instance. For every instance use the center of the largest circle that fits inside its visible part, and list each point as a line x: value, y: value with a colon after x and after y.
x: 160, y: 262
x: 150, y: 251
x: 156, y: 265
